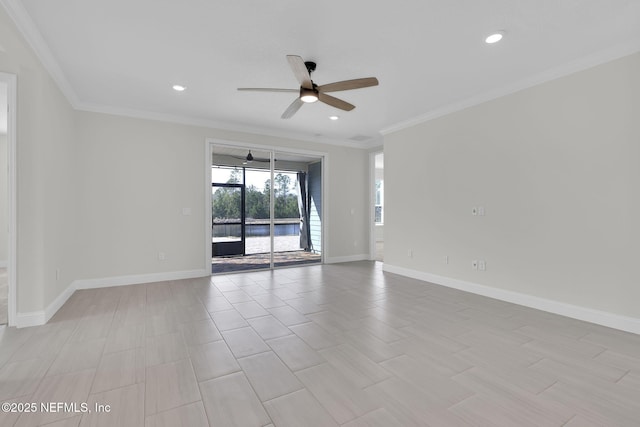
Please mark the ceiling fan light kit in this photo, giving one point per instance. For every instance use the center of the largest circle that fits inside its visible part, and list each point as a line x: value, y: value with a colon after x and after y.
x: 311, y: 92
x: 308, y: 95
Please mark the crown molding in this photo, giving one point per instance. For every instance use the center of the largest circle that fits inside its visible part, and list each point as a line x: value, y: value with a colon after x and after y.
x: 223, y: 126
x: 563, y: 70
x: 25, y: 25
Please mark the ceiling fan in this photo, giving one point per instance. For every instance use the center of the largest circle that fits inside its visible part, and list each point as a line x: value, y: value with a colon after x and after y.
x: 249, y: 158
x: 311, y: 92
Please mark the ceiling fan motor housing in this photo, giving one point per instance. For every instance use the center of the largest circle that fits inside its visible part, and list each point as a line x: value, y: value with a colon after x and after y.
x: 311, y: 66
x: 308, y: 95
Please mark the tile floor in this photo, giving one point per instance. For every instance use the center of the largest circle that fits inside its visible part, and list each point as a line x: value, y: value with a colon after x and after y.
x: 342, y: 344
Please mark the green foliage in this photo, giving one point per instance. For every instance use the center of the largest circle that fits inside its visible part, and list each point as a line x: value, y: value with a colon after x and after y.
x: 286, y: 204
x: 226, y: 201
x: 257, y: 203
x: 234, y: 178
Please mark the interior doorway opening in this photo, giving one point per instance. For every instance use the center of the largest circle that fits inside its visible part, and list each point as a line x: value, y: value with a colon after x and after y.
x: 8, y: 190
x: 377, y: 206
x: 266, y: 209
x: 4, y: 206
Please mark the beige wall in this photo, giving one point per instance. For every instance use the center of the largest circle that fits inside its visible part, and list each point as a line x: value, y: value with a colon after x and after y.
x: 556, y: 169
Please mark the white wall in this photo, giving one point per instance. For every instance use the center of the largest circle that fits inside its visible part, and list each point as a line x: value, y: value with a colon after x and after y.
x: 556, y: 168
x: 46, y: 176
x: 379, y: 231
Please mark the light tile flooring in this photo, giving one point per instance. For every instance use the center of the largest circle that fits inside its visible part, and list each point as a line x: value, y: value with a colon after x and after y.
x: 342, y: 344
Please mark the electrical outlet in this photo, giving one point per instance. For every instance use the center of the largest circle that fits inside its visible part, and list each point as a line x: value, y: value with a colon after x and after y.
x: 481, y: 210
x: 161, y: 256
x: 474, y: 264
x: 482, y: 265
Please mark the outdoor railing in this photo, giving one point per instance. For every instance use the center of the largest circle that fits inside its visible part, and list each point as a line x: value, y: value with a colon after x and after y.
x: 256, y: 227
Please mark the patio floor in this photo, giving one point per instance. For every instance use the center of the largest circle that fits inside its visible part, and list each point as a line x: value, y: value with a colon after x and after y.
x: 287, y: 252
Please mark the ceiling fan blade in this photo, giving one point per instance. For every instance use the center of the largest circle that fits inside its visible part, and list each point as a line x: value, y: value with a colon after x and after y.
x: 349, y: 84
x: 300, y: 71
x: 265, y: 89
x: 244, y: 158
x: 292, y: 109
x: 335, y: 102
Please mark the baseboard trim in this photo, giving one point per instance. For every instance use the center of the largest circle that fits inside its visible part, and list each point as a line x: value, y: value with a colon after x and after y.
x: 349, y: 258
x: 31, y: 318
x: 611, y: 320
x: 108, y: 282
x: 37, y: 318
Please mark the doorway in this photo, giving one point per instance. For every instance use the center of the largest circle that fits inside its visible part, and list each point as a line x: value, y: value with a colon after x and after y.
x: 8, y: 88
x: 227, y: 201
x: 266, y: 209
x: 377, y: 206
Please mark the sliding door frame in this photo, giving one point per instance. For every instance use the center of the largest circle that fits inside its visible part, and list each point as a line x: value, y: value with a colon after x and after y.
x: 273, y: 150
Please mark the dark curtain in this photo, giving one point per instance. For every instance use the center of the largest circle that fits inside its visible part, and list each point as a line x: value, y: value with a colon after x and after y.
x: 303, y: 207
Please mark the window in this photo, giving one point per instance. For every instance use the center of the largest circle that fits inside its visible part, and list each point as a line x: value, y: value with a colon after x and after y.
x: 379, y: 205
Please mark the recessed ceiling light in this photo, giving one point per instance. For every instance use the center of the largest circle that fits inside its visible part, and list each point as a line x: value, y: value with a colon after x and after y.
x: 334, y: 117
x: 495, y: 37
x: 179, y: 88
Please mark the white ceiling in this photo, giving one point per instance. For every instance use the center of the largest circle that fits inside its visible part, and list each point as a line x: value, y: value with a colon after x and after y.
x: 123, y: 56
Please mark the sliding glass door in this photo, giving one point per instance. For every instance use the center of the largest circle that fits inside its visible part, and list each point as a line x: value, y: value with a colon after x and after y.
x: 265, y: 209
